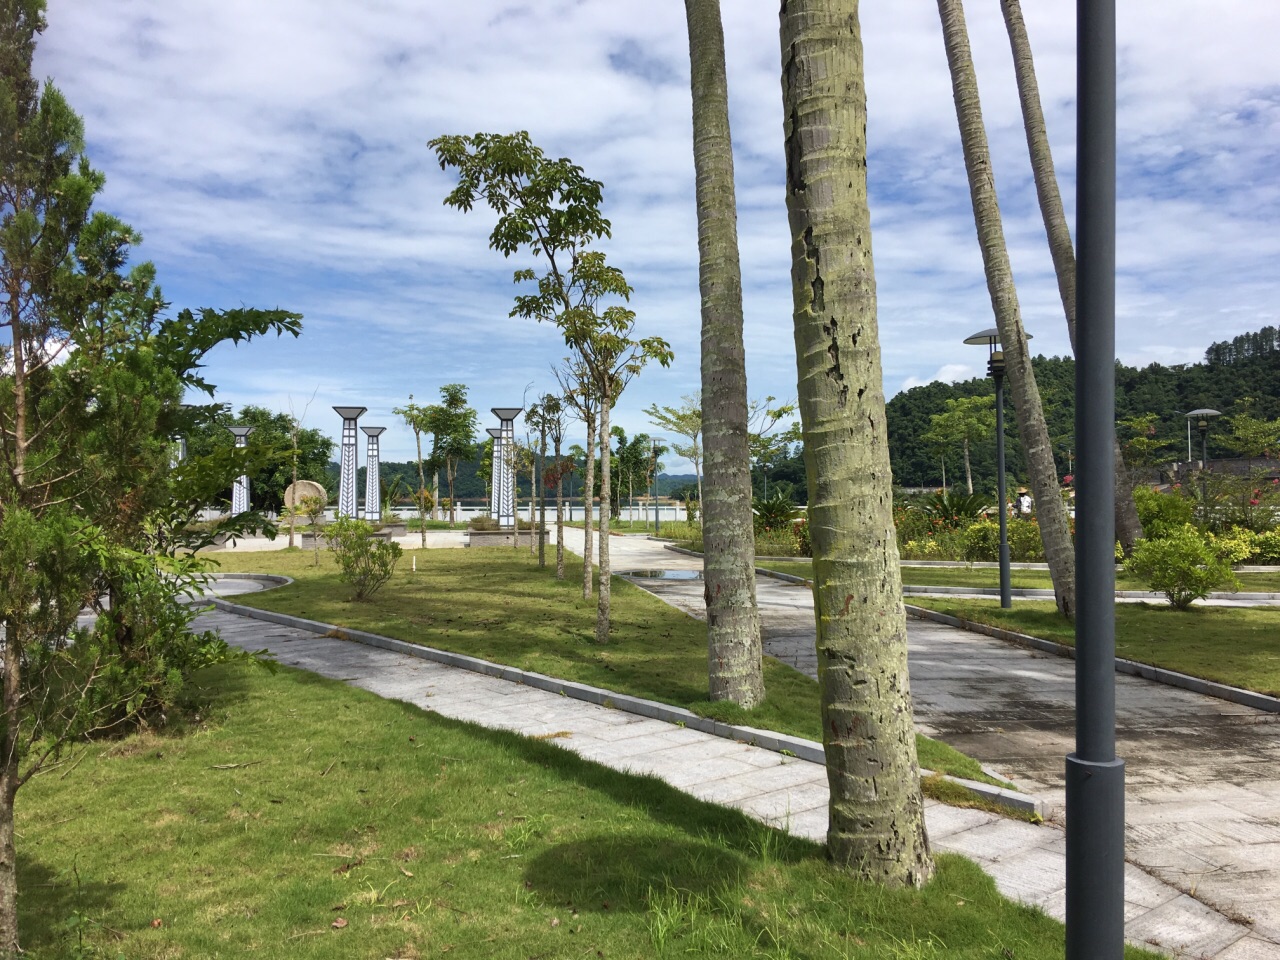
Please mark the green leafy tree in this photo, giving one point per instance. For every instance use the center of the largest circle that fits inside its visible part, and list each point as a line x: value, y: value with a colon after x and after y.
x: 686, y: 421
x: 452, y: 425
x: 298, y: 452
x: 876, y: 826
x: 550, y: 209
x: 415, y: 417
x: 967, y: 421
x: 1182, y: 566
x: 92, y: 511
x: 547, y: 416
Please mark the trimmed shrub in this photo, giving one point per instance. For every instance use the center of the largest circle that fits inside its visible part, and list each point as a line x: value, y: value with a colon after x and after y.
x: 1182, y: 566
x: 777, y: 543
x: 1234, y: 545
x: 1268, y: 547
x: 1162, y: 514
x: 982, y: 542
x: 1025, y: 542
x: 483, y: 523
x: 367, y: 561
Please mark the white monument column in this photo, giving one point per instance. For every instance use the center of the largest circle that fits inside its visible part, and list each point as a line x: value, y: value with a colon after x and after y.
x: 372, y: 482
x: 348, y: 496
x: 495, y: 468
x: 240, y: 490
x: 505, y: 491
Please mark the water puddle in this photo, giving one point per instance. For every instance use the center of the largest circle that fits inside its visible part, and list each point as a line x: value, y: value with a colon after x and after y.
x: 663, y: 574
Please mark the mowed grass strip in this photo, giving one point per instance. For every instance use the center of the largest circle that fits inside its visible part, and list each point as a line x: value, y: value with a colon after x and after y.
x: 497, y: 604
x: 1239, y: 646
x: 963, y: 576
x: 301, y: 818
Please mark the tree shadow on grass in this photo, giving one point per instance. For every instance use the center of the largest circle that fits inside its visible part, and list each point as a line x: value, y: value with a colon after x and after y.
x: 659, y: 800
x: 52, y: 905
x: 612, y: 873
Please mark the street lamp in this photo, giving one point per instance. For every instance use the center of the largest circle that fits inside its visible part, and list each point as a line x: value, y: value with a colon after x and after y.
x: 654, y: 441
x: 990, y: 338
x: 1202, y: 416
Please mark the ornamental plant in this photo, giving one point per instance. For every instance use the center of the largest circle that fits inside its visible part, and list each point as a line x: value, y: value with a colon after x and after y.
x: 367, y: 561
x: 1182, y: 566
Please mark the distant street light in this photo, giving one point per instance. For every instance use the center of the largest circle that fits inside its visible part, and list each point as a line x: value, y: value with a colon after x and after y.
x: 1202, y: 416
x: 995, y: 369
x: 654, y: 441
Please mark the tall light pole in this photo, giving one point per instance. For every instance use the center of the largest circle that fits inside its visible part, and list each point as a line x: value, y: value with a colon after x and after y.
x: 372, y: 480
x: 655, y: 484
x: 1094, y: 774
x: 348, y: 496
x: 990, y: 338
x: 240, y: 490
x: 505, y: 491
x: 1202, y: 417
x: 495, y: 469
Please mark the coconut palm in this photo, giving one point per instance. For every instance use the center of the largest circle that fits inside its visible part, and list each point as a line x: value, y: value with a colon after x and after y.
x: 1128, y: 525
x: 876, y: 826
x: 1034, y: 434
x: 734, y: 657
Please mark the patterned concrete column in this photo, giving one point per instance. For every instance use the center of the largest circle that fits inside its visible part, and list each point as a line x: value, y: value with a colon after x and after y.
x: 348, y: 497
x: 372, y: 482
x: 506, y: 489
x: 495, y: 468
x: 240, y: 490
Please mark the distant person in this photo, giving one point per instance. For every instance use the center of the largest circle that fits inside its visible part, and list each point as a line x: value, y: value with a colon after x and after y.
x: 1024, y: 503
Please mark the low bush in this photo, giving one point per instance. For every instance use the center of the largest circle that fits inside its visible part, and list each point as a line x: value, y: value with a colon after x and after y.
x: 777, y: 543
x: 1234, y: 545
x: 1182, y: 566
x: 483, y: 523
x: 367, y: 561
x: 1268, y: 547
x: 1025, y: 542
x: 982, y: 542
x: 1162, y: 514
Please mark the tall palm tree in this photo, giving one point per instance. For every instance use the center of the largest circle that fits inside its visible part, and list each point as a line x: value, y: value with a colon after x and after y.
x: 876, y: 825
x: 734, y: 656
x: 1034, y: 434
x: 1128, y: 525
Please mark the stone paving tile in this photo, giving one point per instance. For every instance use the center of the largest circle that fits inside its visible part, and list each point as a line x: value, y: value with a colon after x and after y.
x: 1030, y: 875
x: 944, y: 821
x: 997, y: 840
x: 781, y: 805
x: 1251, y: 948
x: 1183, y: 924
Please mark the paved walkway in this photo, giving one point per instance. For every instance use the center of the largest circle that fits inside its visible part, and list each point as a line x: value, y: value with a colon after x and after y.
x: 1202, y: 774
x: 1026, y: 861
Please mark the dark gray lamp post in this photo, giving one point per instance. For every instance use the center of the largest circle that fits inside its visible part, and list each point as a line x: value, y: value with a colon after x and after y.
x: 655, y: 485
x: 990, y: 338
x: 1094, y: 774
x: 1202, y: 417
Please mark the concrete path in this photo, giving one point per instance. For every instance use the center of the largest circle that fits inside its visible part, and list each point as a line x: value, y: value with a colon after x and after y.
x: 1203, y: 775
x: 1026, y: 861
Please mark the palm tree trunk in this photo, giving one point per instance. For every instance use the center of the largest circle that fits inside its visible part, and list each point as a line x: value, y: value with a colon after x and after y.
x: 968, y: 471
x: 603, y: 596
x: 876, y: 825
x: 1128, y: 525
x: 1032, y: 431
x: 9, y: 788
x: 588, y: 494
x: 734, y: 655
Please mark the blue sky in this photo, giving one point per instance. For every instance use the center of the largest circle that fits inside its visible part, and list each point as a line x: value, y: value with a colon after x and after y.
x: 274, y: 154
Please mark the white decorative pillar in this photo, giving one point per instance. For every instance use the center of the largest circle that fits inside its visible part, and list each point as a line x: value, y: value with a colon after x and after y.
x: 505, y: 489
x: 372, y: 482
x: 240, y: 490
x: 495, y: 468
x: 348, y: 496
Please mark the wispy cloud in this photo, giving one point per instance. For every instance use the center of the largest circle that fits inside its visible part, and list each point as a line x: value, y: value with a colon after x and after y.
x: 275, y: 154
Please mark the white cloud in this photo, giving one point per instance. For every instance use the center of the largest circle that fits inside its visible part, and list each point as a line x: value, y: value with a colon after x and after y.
x: 275, y: 154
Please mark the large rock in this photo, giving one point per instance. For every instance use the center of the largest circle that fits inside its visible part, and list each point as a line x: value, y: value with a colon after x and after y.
x: 294, y: 493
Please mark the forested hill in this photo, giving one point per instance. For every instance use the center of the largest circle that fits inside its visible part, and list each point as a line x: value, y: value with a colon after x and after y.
x: 1246, y: 367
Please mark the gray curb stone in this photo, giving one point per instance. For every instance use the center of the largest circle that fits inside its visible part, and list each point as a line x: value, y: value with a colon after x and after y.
x: 767, y: 739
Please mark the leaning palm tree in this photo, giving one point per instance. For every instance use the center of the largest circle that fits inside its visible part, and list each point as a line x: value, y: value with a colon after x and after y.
x: 1032, y: 431
x: 1128, y: 525
x: 734, y: 656
x: 876, y: 815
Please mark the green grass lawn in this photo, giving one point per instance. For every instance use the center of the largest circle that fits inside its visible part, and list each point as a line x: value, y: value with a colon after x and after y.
x: 301, y: 818
x: 498, y: 605
x: 1018, y: 579
x: 1239, y: 646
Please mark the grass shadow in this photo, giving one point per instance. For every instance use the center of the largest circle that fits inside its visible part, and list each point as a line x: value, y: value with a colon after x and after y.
x: 68, y: 904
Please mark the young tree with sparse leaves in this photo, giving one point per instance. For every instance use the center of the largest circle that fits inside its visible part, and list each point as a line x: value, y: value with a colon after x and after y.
x: 550, y: 210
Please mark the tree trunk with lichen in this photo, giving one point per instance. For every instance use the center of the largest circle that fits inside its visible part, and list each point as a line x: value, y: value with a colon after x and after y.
x: 1037, y: 452
x: 876, y: 825
x: 1128, y: 524
x: 734, y: 655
